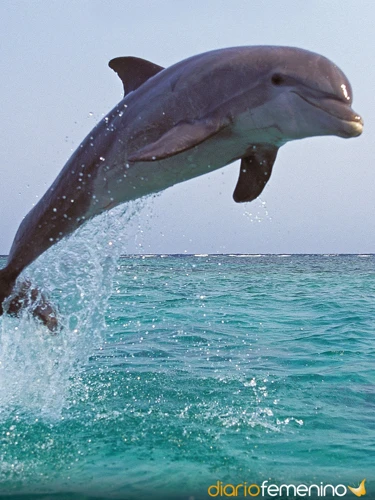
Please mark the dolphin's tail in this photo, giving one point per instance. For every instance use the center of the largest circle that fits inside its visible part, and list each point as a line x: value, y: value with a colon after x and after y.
x: 24, y: 295
x: 6, y: 286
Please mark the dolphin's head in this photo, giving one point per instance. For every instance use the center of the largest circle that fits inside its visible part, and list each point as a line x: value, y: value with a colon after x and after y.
x: 308, y: 95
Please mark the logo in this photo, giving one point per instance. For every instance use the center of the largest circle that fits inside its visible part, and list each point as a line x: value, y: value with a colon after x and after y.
x: 360, y: 491
x: 273, y: 490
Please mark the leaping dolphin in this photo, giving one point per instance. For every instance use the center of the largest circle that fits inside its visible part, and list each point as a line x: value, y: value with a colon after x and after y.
x: 178, y: 123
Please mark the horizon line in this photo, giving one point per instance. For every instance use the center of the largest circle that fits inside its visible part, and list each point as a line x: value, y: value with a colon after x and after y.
x: 204, y: 254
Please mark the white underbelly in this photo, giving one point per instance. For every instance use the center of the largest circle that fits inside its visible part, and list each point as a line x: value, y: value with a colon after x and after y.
x: 125, y: 182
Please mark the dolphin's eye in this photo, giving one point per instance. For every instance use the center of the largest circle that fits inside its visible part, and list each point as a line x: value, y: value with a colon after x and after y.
x: 277, y: 79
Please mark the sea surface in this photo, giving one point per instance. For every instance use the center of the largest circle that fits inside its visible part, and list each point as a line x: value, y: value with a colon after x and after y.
x: 174, y: 373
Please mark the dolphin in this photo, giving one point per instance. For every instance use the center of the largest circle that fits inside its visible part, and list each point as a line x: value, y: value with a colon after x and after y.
x: 174, y: 124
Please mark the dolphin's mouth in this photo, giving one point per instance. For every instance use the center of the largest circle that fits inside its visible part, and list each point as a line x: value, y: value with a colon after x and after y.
x: 353, y: 123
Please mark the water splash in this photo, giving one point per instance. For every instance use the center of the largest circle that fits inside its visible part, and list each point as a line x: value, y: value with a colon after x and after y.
x: 259, y: 213
x: 36, y: 369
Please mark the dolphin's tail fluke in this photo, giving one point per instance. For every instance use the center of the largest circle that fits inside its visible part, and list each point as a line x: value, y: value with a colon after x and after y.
x: 22, y: 296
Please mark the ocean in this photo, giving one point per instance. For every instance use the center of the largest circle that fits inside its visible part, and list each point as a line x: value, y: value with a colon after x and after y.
x: 188, y: 376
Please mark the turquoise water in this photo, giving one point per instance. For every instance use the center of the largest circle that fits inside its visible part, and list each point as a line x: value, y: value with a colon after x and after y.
x: 189, y: 370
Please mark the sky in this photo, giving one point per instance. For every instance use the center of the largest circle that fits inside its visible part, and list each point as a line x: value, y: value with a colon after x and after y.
x: 56, y: 86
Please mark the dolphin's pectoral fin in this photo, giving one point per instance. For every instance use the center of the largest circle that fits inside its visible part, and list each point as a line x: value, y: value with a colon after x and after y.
x: 183, y: 136
x: 133, y: 71
x: 26, y: 296
x: 255, y: 172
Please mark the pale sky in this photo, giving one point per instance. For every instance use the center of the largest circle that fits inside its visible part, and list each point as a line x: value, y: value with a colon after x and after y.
x: 56, y: 86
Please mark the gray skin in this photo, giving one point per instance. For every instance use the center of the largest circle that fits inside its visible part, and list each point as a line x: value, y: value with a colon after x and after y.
x: 178, y: 123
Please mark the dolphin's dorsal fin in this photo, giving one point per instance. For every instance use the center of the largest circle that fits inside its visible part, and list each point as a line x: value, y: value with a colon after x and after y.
x: 183, y: 136
x: 255, y: 171
x: 133, y: 71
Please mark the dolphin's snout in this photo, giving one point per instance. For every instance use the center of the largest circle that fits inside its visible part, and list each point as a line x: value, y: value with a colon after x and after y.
x: 351, y: 122
x: 356, y: 126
